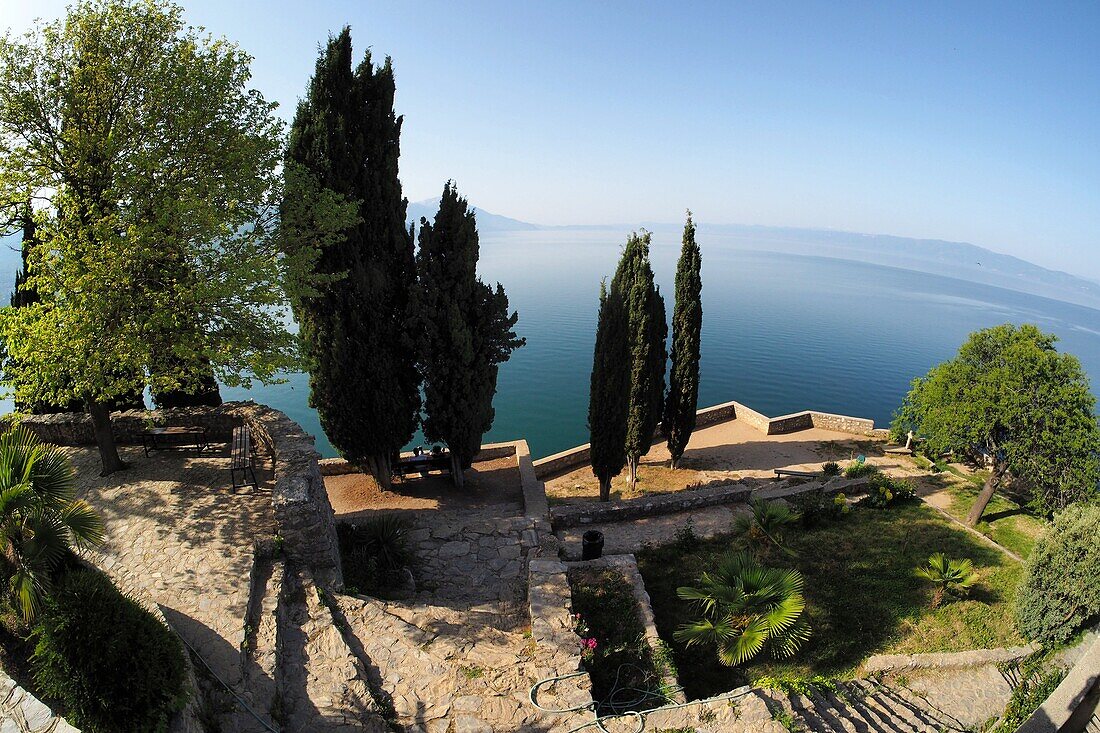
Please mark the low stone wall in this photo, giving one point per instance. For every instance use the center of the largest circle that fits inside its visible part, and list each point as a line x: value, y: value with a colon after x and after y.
x: 573, y: 515
x: 881, y: 663
x: 302, y: 509
x: 558, y: 648
x: 22, y: 712
x: 568, y: 460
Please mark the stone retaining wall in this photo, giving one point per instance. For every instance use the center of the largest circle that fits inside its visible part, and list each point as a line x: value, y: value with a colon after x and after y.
x: 303, y: 512
x: 1075, y: 703
x: 945, y: 660
x: 22, y: 712
x: 573, y: 515
x: 567, y: 460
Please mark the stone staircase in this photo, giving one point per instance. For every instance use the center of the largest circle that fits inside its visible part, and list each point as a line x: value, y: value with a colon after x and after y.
x: 863, y: 706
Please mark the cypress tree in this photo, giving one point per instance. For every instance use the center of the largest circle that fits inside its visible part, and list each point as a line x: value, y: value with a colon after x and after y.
x: 608, y: 391
x: 354, y: 322
x: 465, y: 332
x: 687, y: 324
x: 646, y: 332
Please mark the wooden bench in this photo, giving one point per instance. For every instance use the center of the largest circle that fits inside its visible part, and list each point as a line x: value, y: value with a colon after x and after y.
x: 800, y: 474
x: 174, y: 436
x: 242, y: 459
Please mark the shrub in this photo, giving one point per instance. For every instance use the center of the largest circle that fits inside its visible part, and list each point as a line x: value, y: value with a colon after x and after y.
x: 859, y: 469
x: 765, y: 524
x: 816, y: 507
x: 1060, y: 592
x: 949, y: 576
x: 883, y: 491
x: 374, y: 552
x: 113, y: 665
x: 832, y: 468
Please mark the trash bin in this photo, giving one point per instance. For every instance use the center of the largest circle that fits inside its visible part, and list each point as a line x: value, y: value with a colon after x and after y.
x: 591, y: 544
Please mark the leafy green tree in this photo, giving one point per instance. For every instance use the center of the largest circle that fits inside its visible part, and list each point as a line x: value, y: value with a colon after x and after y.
x: 646, y: 329
x: 1011, y: 400
x: 687, y: 325
x: 41, y: 521
x: 609, y: 391
x: 353, y: 302
x: 155, y: 171
x: 465, y: 332
x: 949, y: 576
x: 746, y: 608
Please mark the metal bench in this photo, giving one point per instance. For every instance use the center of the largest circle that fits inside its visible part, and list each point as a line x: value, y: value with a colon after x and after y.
x: 800, y: 474
x: 242, y: 459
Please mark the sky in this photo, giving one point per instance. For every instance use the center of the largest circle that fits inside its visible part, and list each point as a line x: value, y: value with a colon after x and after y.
x: 975, y: 122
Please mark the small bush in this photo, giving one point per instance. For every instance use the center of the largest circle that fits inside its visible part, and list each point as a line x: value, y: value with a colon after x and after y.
x: 830, y: 469
x: 883, y: 491
x: 949, y: 576
x: 685, y: 537
x: 1060, y: 592
x: 859, y: 469
x: 113, y: 665
x: 817, y: 507
x: 374, y: 552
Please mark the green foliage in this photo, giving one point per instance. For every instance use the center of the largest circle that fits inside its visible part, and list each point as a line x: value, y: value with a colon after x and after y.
x: 609, y: 391
x: 155, y: 172
x: 687, y: 324
x: 883, y: 491
x: 621, y: 659
x: 41, y: 521
x: 1011, y: 396
x: 374, y: 552
x: 113, y: 665
x: 746, y: 608
x: 792, y: 684
x: 1033, y: 680
x: 352, y: 270
x: 830, y: 469
x: 764, y: 525
x: 859, y: 469
x: 954, y: 577
x: 685, y: 536
x: 862, y: 596
x: 1060, y: 593
x: 464, y: 327
x: 815, y: 507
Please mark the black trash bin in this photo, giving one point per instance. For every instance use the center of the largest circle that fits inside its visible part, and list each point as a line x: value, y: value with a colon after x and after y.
x: 591, y: 544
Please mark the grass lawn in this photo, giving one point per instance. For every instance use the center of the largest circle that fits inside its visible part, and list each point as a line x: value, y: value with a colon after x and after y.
x: 1005, y: 522
x: 863, y: 597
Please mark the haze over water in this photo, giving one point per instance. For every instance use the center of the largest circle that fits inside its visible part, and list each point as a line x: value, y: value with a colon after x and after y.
x: 781, y: 332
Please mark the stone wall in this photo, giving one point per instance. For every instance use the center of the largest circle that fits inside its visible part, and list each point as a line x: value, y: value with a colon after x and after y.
x: 570, y: 459
x: 573, y: 515
x: 302, y: 509
x: 22, y: 712
x: 1075, y: 703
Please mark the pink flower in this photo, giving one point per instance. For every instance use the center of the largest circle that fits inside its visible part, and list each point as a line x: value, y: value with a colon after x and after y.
x: 589, y: 644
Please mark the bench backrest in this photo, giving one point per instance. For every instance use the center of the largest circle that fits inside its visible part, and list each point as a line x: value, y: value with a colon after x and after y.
x: 241, y: 454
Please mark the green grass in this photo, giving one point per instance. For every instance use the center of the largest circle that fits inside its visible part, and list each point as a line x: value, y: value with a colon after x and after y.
x: 1004, y: 521
x: 863, y: 597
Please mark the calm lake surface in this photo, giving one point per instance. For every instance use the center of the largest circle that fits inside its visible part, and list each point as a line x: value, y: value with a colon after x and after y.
x: 781, y: 332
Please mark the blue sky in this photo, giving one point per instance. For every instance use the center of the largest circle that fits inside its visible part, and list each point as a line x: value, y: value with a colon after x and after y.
x: 966, y: 121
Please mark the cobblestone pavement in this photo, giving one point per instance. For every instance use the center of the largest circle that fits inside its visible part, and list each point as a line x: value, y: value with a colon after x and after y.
x: 179, y: 536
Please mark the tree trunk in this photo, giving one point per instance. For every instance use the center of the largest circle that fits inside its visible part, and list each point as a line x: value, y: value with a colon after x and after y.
x: 605, y: 489
x: 983, y: 497
x: 105, y: 438
x: 457, y: 474
x: 674, y: 463
x: 379, y: 467
x: 632, y: 464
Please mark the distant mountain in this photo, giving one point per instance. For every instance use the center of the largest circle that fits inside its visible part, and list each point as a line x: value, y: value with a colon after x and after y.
x: 486, y: 222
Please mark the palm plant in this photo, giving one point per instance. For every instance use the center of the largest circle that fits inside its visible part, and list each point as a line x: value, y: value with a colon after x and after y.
x: 949, y: 576
x: 746, y: 608
x: 41, y: 521
x: 765, y: 523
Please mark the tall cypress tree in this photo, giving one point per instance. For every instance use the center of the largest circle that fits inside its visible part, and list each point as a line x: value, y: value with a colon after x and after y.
x: 687, y: 324
x: 608, y: 391
x: 646, y: 332
x: 354, y: 320
x: 465, y: 332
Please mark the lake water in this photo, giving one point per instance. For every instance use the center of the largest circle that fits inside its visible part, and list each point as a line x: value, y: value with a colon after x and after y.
x: 781, y: 332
